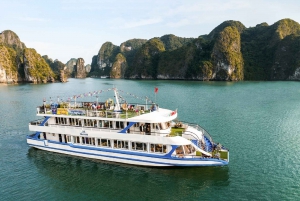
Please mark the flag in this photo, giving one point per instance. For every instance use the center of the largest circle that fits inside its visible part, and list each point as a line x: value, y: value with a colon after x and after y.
x: 155, y: 90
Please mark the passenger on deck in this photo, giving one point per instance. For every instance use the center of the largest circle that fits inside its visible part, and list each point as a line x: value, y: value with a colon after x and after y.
x: 148, y: 130
x: 142, y: 129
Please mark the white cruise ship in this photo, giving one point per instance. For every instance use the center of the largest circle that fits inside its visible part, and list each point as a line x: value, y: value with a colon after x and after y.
x: 137, y: 134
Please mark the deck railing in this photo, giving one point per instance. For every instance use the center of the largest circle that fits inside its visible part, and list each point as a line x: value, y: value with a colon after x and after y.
x: 98, y: 129
x: 36, y: 122
x: 89, y: 111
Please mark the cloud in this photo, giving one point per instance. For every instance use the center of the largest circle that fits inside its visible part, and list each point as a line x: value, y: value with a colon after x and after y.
x: 180, y: 23
x: 143, y: 22
x: 32, y: 19
x: 120, y: 23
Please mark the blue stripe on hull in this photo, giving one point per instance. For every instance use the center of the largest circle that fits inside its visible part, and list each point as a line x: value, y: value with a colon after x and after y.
x: 130, y: 160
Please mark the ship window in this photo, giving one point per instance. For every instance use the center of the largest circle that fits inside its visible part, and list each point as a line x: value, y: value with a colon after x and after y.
x: 68, y: 138
x: 60, y: 120
x: 91, y: 122
x: 188, y: 149
x: 105, y: 143
x: 179, y: 150
x: 120, y: 144
x: 158, y: 148
x: 88, y: 122
x: 139, y: 146
x: 88, y: 140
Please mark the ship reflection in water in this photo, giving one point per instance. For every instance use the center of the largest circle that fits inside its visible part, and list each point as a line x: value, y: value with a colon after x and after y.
x: 69, y: 177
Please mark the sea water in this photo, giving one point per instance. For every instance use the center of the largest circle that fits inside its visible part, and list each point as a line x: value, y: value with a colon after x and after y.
x: 258, y: 121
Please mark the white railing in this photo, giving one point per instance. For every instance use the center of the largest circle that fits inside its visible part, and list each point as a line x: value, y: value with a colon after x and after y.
x: 122, y: 114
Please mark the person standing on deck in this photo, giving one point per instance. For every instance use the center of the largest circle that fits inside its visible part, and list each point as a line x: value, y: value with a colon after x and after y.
x: 142, y: 129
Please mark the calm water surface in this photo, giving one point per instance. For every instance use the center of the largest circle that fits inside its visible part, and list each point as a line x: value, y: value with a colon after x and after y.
x: 258, y: 121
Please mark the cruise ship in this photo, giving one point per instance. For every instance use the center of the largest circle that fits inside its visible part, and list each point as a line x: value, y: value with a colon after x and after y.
x: 116, y: 131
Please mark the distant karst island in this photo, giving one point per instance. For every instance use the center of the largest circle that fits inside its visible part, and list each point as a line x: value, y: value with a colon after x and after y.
x: 230, y: 52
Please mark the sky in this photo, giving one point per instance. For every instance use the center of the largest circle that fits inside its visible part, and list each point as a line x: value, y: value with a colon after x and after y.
x: 65, y: 29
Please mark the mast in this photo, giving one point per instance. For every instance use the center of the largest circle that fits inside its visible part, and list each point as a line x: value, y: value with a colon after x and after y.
x: 117, y: 107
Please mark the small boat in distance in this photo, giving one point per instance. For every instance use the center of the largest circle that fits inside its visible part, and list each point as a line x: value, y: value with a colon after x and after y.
x: 117, y: 131
x: 104, y: 77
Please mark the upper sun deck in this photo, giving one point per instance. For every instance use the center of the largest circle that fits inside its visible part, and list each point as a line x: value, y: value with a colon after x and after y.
x: 131, y: 112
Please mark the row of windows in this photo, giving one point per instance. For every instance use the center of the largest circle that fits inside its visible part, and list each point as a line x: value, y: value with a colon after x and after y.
x: 89, y: 123
x: 117, y: 144
x: 120, y: 144
x: 106, y: 124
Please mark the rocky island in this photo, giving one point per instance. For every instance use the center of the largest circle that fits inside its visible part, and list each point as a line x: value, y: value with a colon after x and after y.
x: 230, y: 52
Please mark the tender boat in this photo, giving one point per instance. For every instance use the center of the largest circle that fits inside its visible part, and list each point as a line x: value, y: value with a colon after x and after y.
x: 137, y: 134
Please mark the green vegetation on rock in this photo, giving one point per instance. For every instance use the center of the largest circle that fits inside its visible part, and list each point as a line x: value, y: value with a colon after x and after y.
x: 172, y: 42
x: 39, y: 70
x: 119, y: 67
x: 227, y: 57
x: 59, y: 69
x: 21, y: 64
x: 8, y: 59
x: 230, y: 52
x: 261, y: 54
x: 146, y: 60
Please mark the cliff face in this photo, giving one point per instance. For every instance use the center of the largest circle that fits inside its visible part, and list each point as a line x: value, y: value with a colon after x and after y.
x: 36, y: 68
x: 87, y: 68
x: 11, y: 39
x: 70, y: 65
x: 145, y: 61
x: 80, y: 69
x: 230, y: 52
x: 8, y: 65
x: 107, y: 61
x: 58, y: 68
x: 21, y: 64
x: 106, y: 55
x: 271, y: 52
x: 10, y: 57
x: 119, y: 67
x: 227, y: 57
x: 286, y: 65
